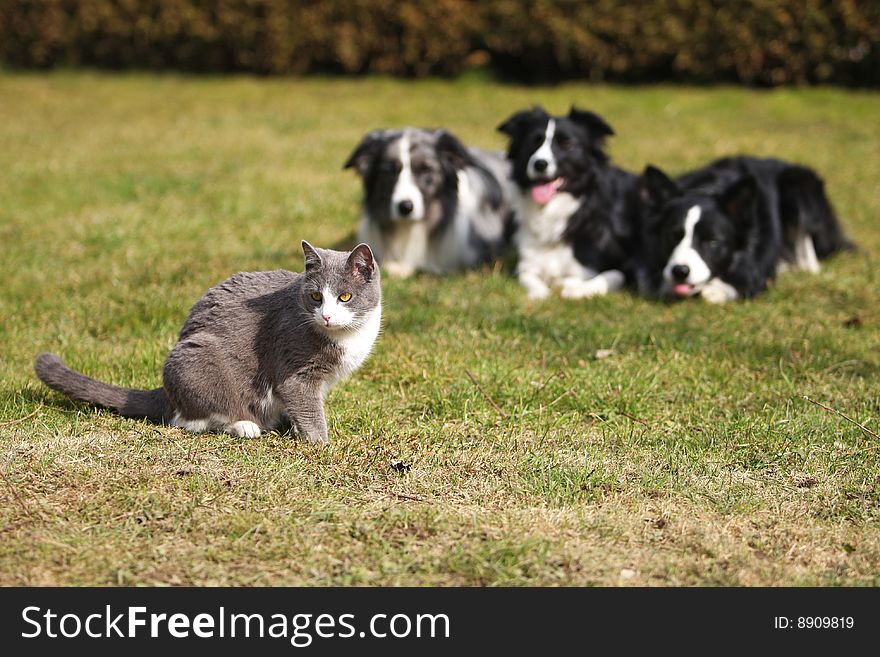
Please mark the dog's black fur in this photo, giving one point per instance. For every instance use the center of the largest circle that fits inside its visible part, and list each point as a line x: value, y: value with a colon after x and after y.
x: 753, y: 211
x: 603, y: 230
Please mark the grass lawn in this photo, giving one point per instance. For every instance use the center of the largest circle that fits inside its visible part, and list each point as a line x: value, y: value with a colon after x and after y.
x: 687, y: 457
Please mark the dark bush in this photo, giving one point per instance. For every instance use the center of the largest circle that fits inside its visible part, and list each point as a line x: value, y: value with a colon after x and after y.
x: 762, y: 42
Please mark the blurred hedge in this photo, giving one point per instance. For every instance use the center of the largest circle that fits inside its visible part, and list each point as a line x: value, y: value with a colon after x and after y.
x: 765, y: 42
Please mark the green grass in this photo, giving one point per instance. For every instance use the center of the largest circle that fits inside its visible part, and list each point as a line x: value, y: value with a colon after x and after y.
x: 687, y: 457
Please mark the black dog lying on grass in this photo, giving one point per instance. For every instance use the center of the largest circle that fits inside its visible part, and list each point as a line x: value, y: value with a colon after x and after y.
x: 723, y: 232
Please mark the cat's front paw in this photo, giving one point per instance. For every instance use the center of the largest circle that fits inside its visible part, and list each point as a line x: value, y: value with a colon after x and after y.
x: 398, y: 269
x: 717, y: 291
x: 244, y: 429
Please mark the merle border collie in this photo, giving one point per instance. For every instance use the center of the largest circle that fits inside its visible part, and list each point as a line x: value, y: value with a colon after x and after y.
x: 577, y: 214
x: 723, y: 232
x: 430, y: 203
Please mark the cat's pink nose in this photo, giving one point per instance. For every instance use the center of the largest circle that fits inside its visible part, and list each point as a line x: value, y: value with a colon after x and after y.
x: 325, y: 317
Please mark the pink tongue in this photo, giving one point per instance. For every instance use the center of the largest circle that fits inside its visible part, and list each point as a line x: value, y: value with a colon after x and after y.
x: 682, y: 289
x: 543, y: 193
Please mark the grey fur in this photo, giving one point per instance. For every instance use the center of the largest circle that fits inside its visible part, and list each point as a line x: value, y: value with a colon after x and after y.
x: 253, y: 350
x: 463, y: 227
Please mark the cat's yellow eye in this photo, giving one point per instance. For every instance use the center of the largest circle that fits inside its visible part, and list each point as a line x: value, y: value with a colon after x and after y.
x: 317, y: 296
x: 345, y: 297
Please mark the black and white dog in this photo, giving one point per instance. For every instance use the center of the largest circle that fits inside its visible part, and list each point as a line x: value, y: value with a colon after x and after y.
x: 577, y: 214
x: 724, y: 231
x: 430, y: 203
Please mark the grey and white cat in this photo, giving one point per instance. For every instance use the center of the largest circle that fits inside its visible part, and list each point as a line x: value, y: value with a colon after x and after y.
x: 258, y: 351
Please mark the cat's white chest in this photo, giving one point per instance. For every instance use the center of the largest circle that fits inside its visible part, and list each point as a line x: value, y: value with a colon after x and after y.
x: 355, y: 346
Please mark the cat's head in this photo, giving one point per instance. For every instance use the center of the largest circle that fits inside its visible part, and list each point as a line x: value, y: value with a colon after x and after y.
x: 340, y: 289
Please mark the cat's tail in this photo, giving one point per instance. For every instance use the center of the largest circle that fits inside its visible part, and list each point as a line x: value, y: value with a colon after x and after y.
x: 149, y: 405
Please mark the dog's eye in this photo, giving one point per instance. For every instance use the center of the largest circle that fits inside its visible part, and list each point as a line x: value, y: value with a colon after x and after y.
x: 565, y: 144
x: 713, y: 244
x: 317, y: 296
x: 345, y: 297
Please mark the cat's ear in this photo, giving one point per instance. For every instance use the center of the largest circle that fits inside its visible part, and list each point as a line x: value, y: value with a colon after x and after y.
x: 361, y: 263
x: 313, y: 259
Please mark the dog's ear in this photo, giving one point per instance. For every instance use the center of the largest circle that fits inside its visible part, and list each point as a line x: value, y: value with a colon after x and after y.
x: 365, y: 153
x: 453, y: 154
x: 655, y: 187
x: 515, y: 122
x: 595, y: 124
x: 738, y: 200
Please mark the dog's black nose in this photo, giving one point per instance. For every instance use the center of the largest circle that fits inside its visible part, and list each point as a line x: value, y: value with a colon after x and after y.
x: 540, y: 165
x: 404, y: 208
x: 680, y: 272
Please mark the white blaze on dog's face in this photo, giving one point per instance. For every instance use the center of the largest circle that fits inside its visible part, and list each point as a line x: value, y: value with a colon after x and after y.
x: 414, y: 194
x: 542, y: 163
x: 686, y: 272
x: 407, y: 201
x: 551, y: 154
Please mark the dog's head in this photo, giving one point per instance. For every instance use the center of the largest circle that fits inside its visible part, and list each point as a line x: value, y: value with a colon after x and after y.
x: 409, y: 174
x: 555, y: 153
x: 691, y: 235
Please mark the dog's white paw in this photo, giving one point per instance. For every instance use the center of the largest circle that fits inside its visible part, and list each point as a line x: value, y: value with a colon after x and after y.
x: 602, y: 283
x: 717, y: 291
x: 536, y: 292
x: 575, y: 288
x: 805, y: 254
x: 244, y: 429
x: 398, y: 269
